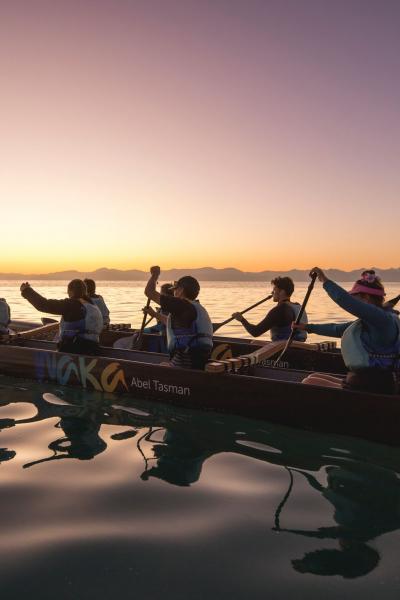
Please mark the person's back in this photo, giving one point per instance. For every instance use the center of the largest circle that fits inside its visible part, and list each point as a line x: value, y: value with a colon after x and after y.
x: 97, y: 300
x: 5, y: 317
x: 81, y: 321
x: 81, y: 335
x: 190, y: 343
x: 189, y: 327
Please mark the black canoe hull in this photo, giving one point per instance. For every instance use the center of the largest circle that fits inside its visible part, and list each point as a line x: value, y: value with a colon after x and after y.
x: 277, y: 395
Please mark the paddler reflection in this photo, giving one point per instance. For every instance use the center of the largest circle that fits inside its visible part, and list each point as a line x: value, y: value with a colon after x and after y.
x: 80, y: 423
x: 366, y: 501
x: 5, y: 453
x: 81, y: 440
x: 179, y: 458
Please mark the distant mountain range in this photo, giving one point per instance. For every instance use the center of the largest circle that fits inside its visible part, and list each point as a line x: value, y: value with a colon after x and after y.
x: 202, y: 274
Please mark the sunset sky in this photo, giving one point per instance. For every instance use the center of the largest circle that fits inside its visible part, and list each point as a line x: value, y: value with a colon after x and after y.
x: 260, y: 134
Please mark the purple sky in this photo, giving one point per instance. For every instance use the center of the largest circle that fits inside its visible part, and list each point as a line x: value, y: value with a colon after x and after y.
x: 257, y: 134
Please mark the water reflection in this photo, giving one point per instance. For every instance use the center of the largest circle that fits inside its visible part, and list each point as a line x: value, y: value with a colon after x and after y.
x: 179, y: 458
x: 366, y: 502
x: 81, y: 440
x: 5, y: 453
x: 356, y: 481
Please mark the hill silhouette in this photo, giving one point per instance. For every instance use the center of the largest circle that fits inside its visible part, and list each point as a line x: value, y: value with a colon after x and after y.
x: 202, y: 274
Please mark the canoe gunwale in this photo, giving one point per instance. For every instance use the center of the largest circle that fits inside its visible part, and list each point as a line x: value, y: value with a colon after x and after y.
x: 371, y: 416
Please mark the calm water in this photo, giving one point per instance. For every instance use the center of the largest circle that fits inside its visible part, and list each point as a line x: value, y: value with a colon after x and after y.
x: 125, y: 301
x: 100, y: 502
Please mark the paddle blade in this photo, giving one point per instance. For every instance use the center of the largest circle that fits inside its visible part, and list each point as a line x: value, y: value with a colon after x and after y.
x: 57, y: 401
x: 131, y: 410
x: 234, y: 364
x: 53, y: 399
x: 124, y: 435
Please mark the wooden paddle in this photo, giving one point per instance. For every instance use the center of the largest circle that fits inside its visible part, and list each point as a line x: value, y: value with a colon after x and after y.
x: 149, y: 321
x: 137, y: 342
x: 298, y: 319
x: 217, y: 326
x: 231, y: 365
x: 57, y: 401
x: 40, y: 333
x: 234, y: 364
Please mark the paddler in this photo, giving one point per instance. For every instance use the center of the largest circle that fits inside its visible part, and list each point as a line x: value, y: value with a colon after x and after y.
x: 280, y: 318
x: 81, y: 321
x: 189, y: 327
x: 158, y: 344
x: 5, y: 317
x: 97, y: 300
x: 157, y: 341
x: 370, y: 345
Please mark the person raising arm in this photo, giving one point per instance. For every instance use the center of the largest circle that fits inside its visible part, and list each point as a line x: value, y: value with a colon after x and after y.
x: 370, y: 344
x: 189, y: 327
x: 81, y: 321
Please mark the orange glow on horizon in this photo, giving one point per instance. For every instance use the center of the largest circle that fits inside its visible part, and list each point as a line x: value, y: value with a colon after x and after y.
x: 35, y: 266
x: 208, y: 147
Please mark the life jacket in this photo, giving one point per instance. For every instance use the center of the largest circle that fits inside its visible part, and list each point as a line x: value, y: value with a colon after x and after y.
x: 283, y: 333
x: 156, y: 342
x: 87, y: 328
x: 5, y: 316
x: 198, y: 335
x: 101, y: 305
x: 357, y: 355
x: 158, y: 329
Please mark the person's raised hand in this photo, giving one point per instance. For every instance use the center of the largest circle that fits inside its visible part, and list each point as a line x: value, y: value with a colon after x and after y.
x: 148, y: 310
x: 320, y: 274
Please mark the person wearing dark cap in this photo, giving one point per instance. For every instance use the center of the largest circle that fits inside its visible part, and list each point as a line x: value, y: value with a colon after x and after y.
x: 370, y: 345
x: 189, y: 327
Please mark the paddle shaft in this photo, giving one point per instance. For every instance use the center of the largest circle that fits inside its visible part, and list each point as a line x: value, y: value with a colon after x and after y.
x: 149, y: 321
x: 138, y: 341
x: 219, y: 325
x: 298, y: 318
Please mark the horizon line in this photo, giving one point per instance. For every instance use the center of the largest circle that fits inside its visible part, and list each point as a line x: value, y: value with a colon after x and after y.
x: 99, y: 269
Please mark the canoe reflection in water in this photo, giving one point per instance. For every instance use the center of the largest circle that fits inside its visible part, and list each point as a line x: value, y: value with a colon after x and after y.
x: 360, y: 479
x: 366, y: 500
